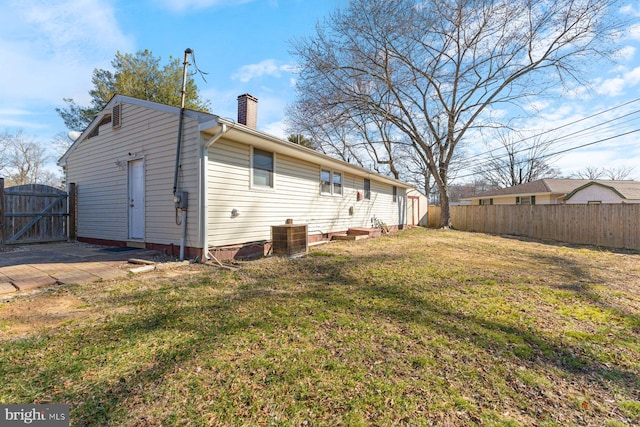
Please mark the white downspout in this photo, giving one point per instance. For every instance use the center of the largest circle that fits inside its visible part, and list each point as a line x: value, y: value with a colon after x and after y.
x: 204, y: 199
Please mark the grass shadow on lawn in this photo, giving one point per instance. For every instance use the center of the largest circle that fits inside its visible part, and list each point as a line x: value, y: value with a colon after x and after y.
x: 402, y: 305
x: 353, y: 334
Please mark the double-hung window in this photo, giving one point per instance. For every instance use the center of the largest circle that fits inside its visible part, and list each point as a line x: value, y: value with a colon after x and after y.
x: 325, y: 181
x: 367, y: 189
x: 330, y: 182
x: 262, y: 168
x: 337, y: 183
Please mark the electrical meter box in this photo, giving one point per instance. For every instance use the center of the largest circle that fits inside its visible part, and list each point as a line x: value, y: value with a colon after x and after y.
x: 181, y: 199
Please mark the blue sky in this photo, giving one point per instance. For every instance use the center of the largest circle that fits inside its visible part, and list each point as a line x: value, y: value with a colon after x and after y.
x: 49, y: 49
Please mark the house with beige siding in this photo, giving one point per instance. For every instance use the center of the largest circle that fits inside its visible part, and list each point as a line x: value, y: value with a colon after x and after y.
x: 561, y: 191
x: 221, y: 191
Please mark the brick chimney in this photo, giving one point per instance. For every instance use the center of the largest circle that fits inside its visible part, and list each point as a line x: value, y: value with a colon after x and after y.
x: 248, y: 110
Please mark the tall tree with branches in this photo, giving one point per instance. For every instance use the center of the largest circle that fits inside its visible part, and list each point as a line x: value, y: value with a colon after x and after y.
x: 517, y: 160
x: 436, y: 69
x: 140, y: 76
x: 22, y: 160
x: 596, y: 172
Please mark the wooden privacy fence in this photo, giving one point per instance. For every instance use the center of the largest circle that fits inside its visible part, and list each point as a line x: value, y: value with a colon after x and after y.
x: 610, y: 225
x: 36, y: 213
x: 433, y: 216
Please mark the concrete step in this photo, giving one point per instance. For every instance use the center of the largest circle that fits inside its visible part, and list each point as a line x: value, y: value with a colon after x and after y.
x: 351, y: 237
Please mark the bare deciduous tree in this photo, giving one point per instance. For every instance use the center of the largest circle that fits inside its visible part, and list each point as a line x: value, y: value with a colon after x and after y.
x: 23, y: 161
x: 435, y: 70
x: 619, y: 173
x: 589, y: 172
x: 516, y: 161
x: 595, y: 172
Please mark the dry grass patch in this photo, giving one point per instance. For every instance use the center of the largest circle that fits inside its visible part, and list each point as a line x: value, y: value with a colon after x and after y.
x: 422, y: 328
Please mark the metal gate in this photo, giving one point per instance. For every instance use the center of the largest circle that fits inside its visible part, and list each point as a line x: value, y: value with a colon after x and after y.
x: 35, y: 213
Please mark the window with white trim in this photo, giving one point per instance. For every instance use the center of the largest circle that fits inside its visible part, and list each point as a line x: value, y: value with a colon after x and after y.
x: 395, y: 194
x: 325, y: 181
x: 367, y: 189
x: 337, y: 183
x: 262, y: 162
x: 330, y: 182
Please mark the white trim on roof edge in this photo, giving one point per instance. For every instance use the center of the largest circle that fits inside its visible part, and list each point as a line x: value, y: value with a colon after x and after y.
x: 210, y: 123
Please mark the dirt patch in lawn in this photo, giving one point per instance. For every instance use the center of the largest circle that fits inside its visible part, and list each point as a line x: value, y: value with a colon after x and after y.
x: 23, y: 316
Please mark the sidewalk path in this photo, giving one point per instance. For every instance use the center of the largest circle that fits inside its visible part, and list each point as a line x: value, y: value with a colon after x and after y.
x: 33, y: 266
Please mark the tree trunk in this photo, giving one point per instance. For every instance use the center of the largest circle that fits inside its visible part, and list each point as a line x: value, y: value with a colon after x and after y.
x: 445, y: 214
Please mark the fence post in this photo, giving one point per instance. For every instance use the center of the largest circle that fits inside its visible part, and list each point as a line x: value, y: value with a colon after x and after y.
x: 2, y: 213
x: 73, y: 211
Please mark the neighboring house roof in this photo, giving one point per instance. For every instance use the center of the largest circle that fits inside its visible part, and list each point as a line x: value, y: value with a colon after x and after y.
x: 561, y: 187
x: 210, y: 123
x: 629, y: 190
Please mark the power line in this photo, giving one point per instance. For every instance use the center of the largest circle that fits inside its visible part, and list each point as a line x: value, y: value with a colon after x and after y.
x: 469, y: 159
x: 557, y: 141
x: 556, y: 153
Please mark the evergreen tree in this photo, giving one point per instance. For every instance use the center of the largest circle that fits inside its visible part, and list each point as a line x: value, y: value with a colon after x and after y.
x: 139, y: 76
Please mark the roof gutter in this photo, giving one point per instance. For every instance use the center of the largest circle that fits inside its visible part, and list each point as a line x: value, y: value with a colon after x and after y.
x: 204, y: 202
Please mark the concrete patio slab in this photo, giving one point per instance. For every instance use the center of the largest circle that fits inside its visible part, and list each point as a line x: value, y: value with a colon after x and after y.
x: 34, y: 266
x: 6, y: 288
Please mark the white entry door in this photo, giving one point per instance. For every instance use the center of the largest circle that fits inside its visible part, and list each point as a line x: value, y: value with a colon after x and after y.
x: 136, y: 199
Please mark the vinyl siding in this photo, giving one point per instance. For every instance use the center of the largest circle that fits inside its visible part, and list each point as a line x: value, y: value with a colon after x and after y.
x: 295, y: 195
x: 98, y: 166
x: 594, y: 193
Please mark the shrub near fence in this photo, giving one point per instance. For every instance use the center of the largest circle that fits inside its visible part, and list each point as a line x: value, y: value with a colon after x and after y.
x: 610, y: 225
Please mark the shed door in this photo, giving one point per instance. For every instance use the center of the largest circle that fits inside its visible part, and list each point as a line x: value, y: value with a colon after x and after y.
x: 414, y: 210
x: 136, y: 199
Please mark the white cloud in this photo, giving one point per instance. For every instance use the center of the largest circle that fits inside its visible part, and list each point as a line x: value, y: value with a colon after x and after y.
x: 626, y: 53
x: 18, y: 119
x: 277, y: 129
x: 190, y: 5
x: 634, y: 32
x: 50, y: 49
x: 62, y: 41
x: 536, y: 106
x: 630, y: 10
x: 268, y: 67
x: 618, y: 85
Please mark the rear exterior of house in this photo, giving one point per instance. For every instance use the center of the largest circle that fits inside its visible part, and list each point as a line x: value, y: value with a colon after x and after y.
x: 237, y: 182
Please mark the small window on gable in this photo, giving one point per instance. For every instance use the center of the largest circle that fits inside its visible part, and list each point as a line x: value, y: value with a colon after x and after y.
x: 367, y: 189
x: 262, y: 168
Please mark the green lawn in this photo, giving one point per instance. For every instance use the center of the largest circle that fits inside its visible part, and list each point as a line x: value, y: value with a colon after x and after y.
x: 425, y: 327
